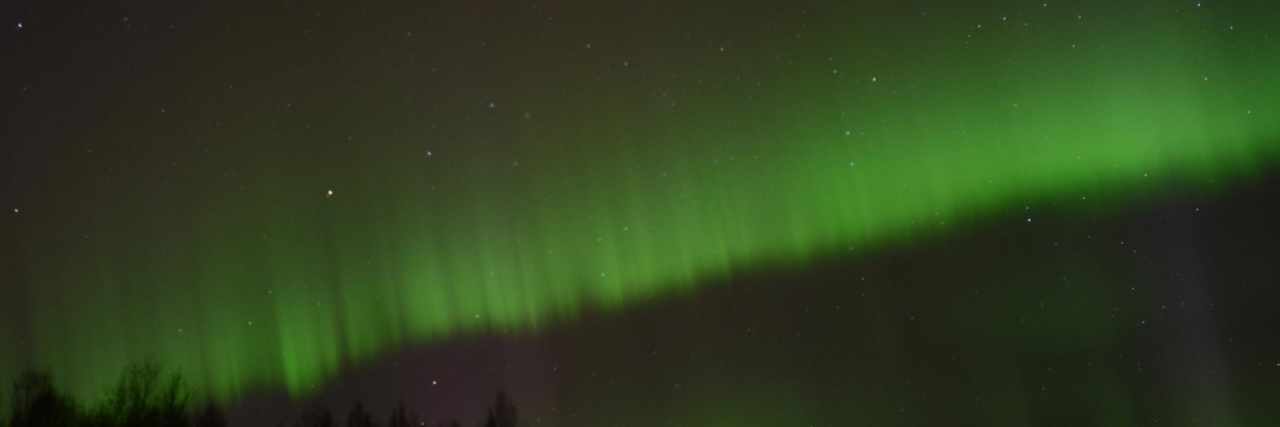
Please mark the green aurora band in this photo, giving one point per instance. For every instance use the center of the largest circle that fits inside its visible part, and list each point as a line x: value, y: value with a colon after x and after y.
x: 284, y: 287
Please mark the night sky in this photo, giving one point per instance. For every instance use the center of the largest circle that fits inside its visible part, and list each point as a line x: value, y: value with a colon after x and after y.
x: 695, y: 213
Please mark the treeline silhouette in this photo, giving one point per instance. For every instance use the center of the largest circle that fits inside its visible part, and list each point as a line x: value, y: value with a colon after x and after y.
x: 147, y: 396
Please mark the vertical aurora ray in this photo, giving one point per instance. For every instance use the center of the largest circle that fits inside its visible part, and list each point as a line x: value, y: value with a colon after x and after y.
x: 287, y: 286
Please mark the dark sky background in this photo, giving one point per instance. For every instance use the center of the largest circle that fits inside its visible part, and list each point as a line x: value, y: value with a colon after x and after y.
x: 628, y: 214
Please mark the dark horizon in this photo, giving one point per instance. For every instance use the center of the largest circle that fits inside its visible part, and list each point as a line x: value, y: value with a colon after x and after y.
x: 1160, y: 319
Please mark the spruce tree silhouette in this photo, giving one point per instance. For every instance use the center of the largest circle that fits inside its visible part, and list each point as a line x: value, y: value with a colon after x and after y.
x: 359, y: 417
x: 399, y: 416
x: 315, y: 417
x: 211, y: 416
x: 144, y: 397
x: 503, y: 413
x: 36, y: 403
x: 147, y: 396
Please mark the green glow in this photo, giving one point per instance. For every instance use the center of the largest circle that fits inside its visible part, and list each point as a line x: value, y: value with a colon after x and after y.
x: 280, y: 285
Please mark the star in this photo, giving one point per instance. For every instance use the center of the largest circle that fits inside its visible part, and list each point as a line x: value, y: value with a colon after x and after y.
x: 434, y: 382
x: 328, y: 193
x: 19, y: 26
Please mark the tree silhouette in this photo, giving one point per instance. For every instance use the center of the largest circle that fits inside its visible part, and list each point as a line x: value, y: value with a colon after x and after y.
x: 359, y: 417
x: 145, y: 397
x: 399, y: 417
x: 315, y: 417
x: 36, y: 403
x: 503, y: 413
x: 210, y: 416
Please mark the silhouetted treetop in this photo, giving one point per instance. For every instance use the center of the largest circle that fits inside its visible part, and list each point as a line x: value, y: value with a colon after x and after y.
x: 148, y: 396
x: 399, y: 417
x: 210, y: 416
x: 503, y: 413
x: 36, y: 403
x: 359, y: 417
x: 145, y: 396
x: 315, y: 417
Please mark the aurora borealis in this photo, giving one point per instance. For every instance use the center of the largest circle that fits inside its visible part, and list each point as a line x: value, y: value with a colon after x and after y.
x: 278, y: 198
